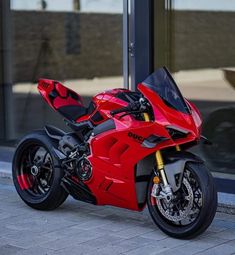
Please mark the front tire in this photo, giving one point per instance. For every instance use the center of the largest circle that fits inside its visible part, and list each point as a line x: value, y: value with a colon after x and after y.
x: 36, y: 172
x: 189, y: 215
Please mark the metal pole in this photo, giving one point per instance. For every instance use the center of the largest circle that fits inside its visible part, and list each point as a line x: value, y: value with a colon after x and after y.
x: 141, y: 41
x: 126, y: 43
x: 6, y: 95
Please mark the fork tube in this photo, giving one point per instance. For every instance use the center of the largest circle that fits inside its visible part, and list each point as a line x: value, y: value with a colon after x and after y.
x: 160, y: 166
x: 159, y: 159
x: 177, y: 148
x: 146, y: 117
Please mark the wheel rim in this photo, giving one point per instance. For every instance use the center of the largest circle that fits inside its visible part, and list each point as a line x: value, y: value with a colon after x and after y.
x: 185, y: 208
x: 35, y: 171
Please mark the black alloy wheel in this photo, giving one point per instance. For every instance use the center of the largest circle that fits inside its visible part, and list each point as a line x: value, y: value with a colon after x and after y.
x: 37, y: 174
x: 192, y: 208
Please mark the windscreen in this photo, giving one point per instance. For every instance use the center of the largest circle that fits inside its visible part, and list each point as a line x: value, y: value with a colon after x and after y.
x: 162, y: 83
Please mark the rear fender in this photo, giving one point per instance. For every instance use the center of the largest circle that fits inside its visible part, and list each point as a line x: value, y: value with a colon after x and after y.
x: 55, y: 134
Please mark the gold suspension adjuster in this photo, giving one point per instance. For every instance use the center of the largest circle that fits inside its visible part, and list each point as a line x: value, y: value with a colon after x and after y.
x: 177, y: 148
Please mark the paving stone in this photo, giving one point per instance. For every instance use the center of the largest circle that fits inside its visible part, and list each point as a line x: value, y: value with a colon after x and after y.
x: 80, y: 249
x: 132, y: 231
x: 80, y: 228
x: 81, y: 237
x: 25, y: 239
x: 9, y: 249
x: 169, y: 242
x: 228, y: 234
x: 36, y: 251
x: 224, y: 249
x: 3, y: 241
x: 231, y: 243
x: 147, y: 250
x: 133, y: 243
x: 107, y: 250
x: 116, y: 226
x: 104, y: 241
x: 218, y: 226
x: 155, y: 235
x: 195, y: 246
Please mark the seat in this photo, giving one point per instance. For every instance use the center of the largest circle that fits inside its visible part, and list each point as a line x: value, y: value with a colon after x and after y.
x: 72, y: 112
x: 68, y: 103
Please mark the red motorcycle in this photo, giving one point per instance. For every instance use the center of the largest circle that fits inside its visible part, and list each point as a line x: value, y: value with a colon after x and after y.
x: 127, y: 149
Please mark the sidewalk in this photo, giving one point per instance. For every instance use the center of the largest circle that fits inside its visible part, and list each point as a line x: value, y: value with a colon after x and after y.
x: 80, y: 228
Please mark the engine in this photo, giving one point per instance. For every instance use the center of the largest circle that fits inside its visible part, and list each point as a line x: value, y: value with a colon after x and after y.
x: 76, y: 152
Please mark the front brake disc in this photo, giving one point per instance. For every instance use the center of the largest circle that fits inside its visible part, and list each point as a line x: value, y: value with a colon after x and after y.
x: 167, y: 208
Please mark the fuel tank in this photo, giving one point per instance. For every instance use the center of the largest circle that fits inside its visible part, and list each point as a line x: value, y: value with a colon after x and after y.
x: 107, y: 101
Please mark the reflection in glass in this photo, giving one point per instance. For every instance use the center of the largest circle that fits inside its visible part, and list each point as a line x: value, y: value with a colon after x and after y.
x: 197, y: 43
x: 81, y: 49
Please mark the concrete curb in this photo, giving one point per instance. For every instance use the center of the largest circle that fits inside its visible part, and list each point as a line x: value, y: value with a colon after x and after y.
x: 226, y: 203
x: 5, y: 170
x: 228, y: 209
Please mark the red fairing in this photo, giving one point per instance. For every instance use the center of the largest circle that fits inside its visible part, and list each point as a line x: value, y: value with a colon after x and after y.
x: 45, y: 87
x: 57, y: 95
x: 104, y: 103
x: 115, y: 152
x: 114, y: 157
x: 167, y: 116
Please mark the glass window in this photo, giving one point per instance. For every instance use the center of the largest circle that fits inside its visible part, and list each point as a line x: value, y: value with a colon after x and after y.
x: 195, y: 40
x: 67, y: 41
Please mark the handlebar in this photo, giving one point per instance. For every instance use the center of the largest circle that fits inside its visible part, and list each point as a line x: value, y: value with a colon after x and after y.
x: 123, y: 109
x: 135, y: 106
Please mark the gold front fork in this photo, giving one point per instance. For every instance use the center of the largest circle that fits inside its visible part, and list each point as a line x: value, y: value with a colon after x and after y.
x: 160, y: 167
x: 159, y: 159
x: 177, y: 148
x: 146, y: 117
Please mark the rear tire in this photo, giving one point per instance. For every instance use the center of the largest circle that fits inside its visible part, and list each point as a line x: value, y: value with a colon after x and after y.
x: 36, y: 172
x: 205, y: 212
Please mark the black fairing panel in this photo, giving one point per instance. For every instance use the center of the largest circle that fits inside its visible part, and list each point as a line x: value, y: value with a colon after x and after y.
x: 179, y: 155
x: 105, y: 126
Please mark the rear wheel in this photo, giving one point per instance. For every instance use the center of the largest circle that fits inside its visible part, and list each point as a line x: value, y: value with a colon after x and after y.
x: 192, y: 208
x: 36, y: 173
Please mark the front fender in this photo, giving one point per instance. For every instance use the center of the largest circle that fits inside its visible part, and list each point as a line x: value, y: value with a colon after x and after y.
x: 175, y: 165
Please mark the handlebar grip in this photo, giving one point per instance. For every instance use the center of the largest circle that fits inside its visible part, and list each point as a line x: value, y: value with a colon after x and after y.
x: 123, y: 109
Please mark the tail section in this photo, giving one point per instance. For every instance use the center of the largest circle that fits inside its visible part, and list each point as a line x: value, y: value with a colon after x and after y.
x: 62, y: 99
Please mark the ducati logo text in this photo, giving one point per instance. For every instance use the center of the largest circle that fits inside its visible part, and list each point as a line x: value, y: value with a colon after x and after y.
x: 137, y: 138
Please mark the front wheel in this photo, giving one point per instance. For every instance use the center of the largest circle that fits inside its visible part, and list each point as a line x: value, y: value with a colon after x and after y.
x: 192, y: 208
